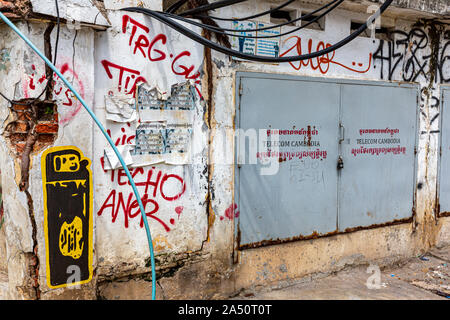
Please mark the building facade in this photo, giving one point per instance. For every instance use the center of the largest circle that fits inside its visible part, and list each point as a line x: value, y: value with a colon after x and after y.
x: 339, y: 160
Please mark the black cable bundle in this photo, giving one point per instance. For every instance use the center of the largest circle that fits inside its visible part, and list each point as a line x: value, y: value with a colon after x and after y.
x: 168, y: 18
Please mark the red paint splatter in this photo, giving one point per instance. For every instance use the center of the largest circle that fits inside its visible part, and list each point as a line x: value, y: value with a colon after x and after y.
x: 41, y: 79
x: 179, y: 210
x: 231, y: 212
x: 172, y: 221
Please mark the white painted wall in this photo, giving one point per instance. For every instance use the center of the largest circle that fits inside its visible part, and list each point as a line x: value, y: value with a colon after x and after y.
x: 176, y: 232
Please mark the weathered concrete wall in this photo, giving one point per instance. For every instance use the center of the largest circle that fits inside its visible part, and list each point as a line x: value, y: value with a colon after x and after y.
x: 3, y: 264
x: 25, y: 74
x: 179, y: 225
x: 192, y: 234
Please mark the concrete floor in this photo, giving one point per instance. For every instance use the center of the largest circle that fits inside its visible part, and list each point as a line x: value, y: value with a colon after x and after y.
x: 419, y: 278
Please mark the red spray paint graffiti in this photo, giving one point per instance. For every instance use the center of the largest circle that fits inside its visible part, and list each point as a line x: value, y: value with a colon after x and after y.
x: 154, y: 183
x: 231, y: 212
x: 153, y: 51
x: 321, y: 63
x: 124, y: 73
x: 68, y: 100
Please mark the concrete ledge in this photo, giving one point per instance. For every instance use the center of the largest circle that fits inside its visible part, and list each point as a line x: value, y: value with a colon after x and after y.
x: 289, y: 261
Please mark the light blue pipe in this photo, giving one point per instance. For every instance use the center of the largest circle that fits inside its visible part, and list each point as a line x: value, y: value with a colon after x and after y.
x: 122, y: 162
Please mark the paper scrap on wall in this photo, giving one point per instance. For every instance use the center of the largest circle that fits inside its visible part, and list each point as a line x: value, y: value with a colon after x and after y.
x: 111, y: 160
x: 154, y: 105
x: 120, y: 108
x: 268, y: 43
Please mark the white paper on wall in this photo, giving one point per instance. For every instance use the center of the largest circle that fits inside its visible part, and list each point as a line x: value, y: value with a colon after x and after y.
x: 120, y: 108
x: 111, y: 159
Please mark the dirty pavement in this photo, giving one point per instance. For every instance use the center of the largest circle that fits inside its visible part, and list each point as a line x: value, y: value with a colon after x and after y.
x: 425, y: 277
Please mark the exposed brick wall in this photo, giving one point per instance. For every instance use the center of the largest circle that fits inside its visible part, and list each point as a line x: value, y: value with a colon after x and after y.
x: 6, y: 5
x: 16, y: 8
x: 45, y: 124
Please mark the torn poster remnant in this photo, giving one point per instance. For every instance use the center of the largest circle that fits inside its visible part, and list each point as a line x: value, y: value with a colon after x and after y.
x: 120, y: 108
x: 159, y: 141
x: 111, y: 160
x: 164, y: 130
x: 154, y: 105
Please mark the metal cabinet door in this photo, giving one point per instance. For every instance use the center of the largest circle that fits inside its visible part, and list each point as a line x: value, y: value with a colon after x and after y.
x: 301, y: 198
x: 444, y: 163
x: 378, y: 178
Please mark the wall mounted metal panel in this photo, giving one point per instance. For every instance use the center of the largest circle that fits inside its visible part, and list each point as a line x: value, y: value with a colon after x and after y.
x: 378, y: 150
x: 301, y: 198
x: 444, y: 163
x: 346, y: 156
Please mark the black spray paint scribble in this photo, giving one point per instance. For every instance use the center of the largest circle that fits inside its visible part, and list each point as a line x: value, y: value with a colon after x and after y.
x: 433, y: 103
x: 412, y: 54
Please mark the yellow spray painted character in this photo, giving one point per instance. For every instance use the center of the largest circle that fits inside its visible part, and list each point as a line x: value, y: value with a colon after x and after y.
x: 67, y: 188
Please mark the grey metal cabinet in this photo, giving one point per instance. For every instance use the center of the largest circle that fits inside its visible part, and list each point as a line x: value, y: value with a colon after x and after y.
x: 287, y: 203
x: 378, y: 179
x: 444, y: 162
x: 345, y: 155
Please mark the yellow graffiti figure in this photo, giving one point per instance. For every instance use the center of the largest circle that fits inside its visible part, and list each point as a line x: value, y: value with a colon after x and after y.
x: 66, y: 163
x: 71, y: 238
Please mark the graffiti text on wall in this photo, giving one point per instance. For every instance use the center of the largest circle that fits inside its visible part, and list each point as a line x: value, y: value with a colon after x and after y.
x: 59, y: 90
x: 156, y: 184
x: 321, y: 63
x: 67, y: 187
x: 149, y: 48
x: 409, y: 53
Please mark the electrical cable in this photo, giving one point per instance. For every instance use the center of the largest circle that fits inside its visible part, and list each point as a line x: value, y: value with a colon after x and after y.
x: 102, y: 129
x: 192, y: 35
x: 281, y: 6
x: 264, y: 28
x: 10, y: 101
x: 211, y: 6
x: 235, y: 34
